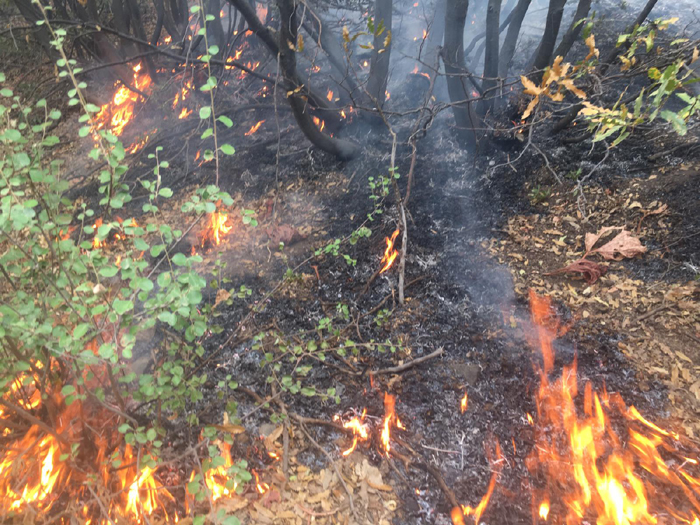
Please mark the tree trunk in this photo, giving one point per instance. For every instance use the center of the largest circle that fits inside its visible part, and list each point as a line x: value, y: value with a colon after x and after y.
x: 288, y: 65
x: 215, y: 31
x: 490, y: 83
x: 328, y: 41
x: 453, y: 56
x: 379, y: 65
x: 511, y: 41
x: 160, y: 17
x: 32, y: 14
x: 436, y: 34
x: 584, y: 6
x: 551, y: 29
x: 330, y: 113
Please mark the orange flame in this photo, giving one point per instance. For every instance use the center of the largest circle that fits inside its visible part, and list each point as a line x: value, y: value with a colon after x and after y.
x: 390, y: 253
x: 184, y: 113
x: 463, y: 403
x: 390, y: 418
x: 255, y: 127
x: 589, y: 467
x: 96, y: 243
x: 477, y: 512
x: 320, y: 124
x: 329, y: 95
x: 360, y: 431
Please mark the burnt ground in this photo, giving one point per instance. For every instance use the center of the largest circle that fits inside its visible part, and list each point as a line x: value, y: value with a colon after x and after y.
x: 480, y: 237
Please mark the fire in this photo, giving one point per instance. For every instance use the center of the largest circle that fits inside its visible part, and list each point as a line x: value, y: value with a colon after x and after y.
x: 119, y: 112
x: 360, y: 430
x: 255, y: 127
x: 459, y: 513
x: 329, y: 95
x: 96, y: 243
x: 600, y: 473
x: 390, y: 253
x: 261, y: 11
x: 216, y: 228
x: 184, y: 113
x: 320, y: 124
x: 390, y: 418
x: 463, y: 403
x: 261, y: 487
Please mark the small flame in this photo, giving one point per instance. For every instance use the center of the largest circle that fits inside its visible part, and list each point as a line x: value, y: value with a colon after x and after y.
x: 255, y: 127
x: 360, y: 431
x: 184, y: 113
x: 260, y: 486
x: 390, y: 253
x: 329, y: 95
x: 320, y: 124
x: 261, y: 11
x: 390, y: 418
x: 544, y: 510
x: 463, y: 403
x: 96, y: 243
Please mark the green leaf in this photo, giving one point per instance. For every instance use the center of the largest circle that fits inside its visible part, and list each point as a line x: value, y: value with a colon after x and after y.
x: 227, y: 149
x: 165, y: 193
x: 205, y: 112
x: 109, y: 271
x: 677, y: 122
x: 121, y: 307
x: 225, y: 121
x: 179, y: 259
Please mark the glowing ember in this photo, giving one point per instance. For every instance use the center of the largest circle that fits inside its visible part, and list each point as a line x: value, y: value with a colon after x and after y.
x: 329, y: 95
x: 463, y: 403
x: 390, y: 253
x: 255, y: 127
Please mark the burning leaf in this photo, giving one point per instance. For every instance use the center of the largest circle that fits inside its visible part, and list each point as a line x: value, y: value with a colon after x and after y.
x: 624, y: 245
x: 590, y: 270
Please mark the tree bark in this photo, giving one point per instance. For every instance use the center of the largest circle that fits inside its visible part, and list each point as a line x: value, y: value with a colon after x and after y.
x: 511, y: 40
x: 381, y: 54
x: 160, y: 16
x: 584, y: 6
x: 344, y: 149
x: 215, y: 31
x: 490, y: 83
x: 549, y: 39
x: 436, y: 34
x: 453, y: 57
x: 328, y: 41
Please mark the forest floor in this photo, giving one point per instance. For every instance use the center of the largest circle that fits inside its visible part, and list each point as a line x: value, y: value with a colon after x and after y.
x: 479, y: 239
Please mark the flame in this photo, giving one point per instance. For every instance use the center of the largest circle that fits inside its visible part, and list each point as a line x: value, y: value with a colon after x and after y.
x: 255, y: 127
x: 390, y: 253
x: 118, y: 113
x: 544, y: 510
x: 598, y: 474
x: 261, y: 487
x: 184, y: 113
x: 360, y: 431
x: 96, y: 243
x: 458, y: 514
x: 320, y: 124
x: 329, y: 95
x: 390, y: 418
x: 463, y: 403
x: 216, y: 228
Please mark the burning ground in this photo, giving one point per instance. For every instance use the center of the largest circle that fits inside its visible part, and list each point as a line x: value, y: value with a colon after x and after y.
x: 543, y: 367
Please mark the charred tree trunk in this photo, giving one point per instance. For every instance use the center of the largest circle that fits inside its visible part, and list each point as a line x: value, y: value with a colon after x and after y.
x: 330, y: 44
x: 453, y: 56
x: 490, y: 83
x: 551, y: 29
x: 215, y: 31
x: 160, y: 17
x: 288, y: 65
x: 511, y: 41
x: 584, y: 6
x: 381, y: 54
x: 32, y: 14
x: 266, y: 36
x: 436, y: 34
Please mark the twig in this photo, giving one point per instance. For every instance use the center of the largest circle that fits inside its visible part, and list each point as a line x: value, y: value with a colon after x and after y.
x: 410, y: 364
x: 447, y: 491
x: 335, y: 466
x: 653, y: 312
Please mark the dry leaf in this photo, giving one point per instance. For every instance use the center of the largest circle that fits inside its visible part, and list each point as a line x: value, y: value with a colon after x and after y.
x: 221, y: 296
x: 590, y: 270
x: 624, y: 245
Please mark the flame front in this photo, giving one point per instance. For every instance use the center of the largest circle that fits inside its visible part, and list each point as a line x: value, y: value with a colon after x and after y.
x: 597, y: 474
x: 390, y: 253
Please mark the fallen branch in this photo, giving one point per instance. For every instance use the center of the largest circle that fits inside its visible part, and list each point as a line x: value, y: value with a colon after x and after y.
x: 410, y: 364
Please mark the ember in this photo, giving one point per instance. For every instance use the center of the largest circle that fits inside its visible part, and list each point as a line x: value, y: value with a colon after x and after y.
x: 390, y: 253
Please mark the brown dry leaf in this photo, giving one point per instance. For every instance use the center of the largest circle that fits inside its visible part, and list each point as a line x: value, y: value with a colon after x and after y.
x: 592, y: 238
x: 590, y: 270
x: 624, y: 245
x: 221, y: 296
